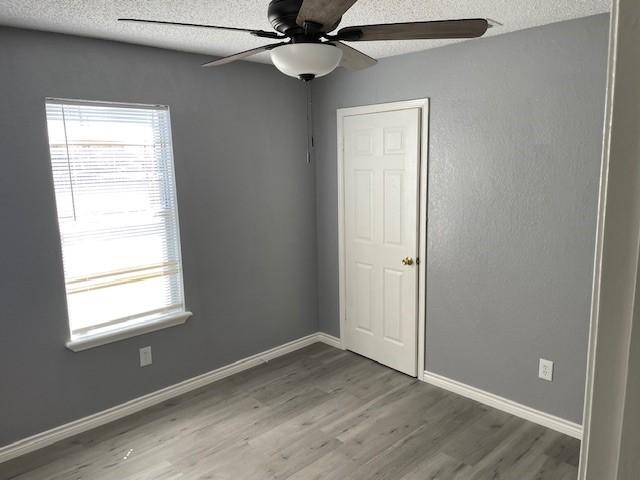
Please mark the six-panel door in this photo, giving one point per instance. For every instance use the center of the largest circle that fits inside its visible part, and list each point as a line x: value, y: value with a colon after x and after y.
x: 381, y: 165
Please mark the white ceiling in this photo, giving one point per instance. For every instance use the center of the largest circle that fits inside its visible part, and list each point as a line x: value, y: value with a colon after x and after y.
x: 97, y: 18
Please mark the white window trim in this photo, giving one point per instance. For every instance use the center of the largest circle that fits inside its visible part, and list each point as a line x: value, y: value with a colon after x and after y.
x: 91, y: 340
x: 85, y: 342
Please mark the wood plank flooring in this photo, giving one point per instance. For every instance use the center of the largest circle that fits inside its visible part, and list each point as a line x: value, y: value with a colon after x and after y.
x: 318, y: 413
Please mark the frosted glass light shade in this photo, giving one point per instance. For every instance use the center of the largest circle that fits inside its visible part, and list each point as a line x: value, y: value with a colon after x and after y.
x: 296, y: 59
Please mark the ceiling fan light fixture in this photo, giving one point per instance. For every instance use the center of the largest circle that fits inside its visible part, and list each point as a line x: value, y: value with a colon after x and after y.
x: 305, y: 48
x: 306, y: 60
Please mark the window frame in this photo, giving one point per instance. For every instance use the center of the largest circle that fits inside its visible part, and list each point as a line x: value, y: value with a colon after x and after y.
x: 109, y: 334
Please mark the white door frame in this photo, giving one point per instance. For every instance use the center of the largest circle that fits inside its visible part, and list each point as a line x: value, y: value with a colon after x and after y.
x: 423, y: 105
x: 606, y: 445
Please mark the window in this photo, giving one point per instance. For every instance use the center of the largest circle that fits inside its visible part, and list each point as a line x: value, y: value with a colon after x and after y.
x: 115, y: 193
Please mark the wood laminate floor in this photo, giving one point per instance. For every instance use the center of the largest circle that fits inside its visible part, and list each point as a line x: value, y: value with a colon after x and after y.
x: 318, y: 413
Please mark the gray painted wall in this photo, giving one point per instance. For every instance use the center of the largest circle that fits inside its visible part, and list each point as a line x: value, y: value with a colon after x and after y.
x: 515, y: 147
x: 247, y: 216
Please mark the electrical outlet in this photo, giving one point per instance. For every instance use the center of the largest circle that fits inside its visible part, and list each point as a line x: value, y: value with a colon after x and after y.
x: 545, y: 370
x: 145, y: 357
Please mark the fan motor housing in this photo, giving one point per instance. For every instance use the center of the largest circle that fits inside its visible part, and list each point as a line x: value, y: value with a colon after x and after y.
x: 283, y: 14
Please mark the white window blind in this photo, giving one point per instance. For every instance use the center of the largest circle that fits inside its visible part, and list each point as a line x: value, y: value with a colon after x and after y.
x: 115, y: 192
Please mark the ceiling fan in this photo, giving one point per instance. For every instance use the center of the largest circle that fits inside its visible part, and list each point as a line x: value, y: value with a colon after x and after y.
x: 307, y: 48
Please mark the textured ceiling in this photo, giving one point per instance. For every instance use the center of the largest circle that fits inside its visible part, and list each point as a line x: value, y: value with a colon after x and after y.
x: 97, y: 18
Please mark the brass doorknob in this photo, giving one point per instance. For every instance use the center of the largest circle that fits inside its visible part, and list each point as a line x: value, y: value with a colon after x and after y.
x: 407, y: 261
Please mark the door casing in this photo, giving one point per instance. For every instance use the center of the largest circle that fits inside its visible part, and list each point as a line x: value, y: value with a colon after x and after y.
x: 423, y: 105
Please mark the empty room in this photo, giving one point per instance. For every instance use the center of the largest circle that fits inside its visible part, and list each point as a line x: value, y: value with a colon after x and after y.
x: 320, y: 239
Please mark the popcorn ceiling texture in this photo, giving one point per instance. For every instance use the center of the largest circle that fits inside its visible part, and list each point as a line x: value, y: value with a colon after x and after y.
x: 97, y: 18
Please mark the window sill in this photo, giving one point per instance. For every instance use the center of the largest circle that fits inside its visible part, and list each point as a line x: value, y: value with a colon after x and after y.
x: 90, y: 341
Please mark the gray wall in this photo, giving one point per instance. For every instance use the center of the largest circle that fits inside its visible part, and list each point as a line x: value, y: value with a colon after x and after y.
x: 515, y: 146
x: 247, y: 215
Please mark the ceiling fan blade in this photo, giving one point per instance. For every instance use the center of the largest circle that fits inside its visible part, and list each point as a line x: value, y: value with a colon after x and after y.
x: 467, y: 28
x: 241, y: 55
x: 353, y: 59
x: 323, y: 12
x: 257, y: 33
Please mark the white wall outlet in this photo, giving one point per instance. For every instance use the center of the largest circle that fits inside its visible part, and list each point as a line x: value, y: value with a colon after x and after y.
x: 545, y: 370
x: 145, y: 357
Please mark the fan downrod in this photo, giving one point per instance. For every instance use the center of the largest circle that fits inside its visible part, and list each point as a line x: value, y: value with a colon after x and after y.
x: 283, y: 14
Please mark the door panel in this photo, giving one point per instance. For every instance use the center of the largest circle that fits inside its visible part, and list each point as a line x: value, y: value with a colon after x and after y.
x: 392, y: 215
x: 362, y: 293
x: 392, y: 307
x: 363, y: 215
x: 381, y: 154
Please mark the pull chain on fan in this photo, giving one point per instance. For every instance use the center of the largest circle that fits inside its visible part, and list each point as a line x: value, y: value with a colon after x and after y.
x: 310, y: 139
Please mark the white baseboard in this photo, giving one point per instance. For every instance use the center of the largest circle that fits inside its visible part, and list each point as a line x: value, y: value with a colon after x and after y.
x: 536, y: 416
x: 81, y: 425
x: 330, y: 340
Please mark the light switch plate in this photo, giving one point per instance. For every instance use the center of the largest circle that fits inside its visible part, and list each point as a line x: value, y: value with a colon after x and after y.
x: 145, y: 357
x: 545, y: 370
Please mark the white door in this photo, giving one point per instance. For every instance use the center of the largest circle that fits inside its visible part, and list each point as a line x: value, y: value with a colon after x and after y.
x: 381, y: 153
